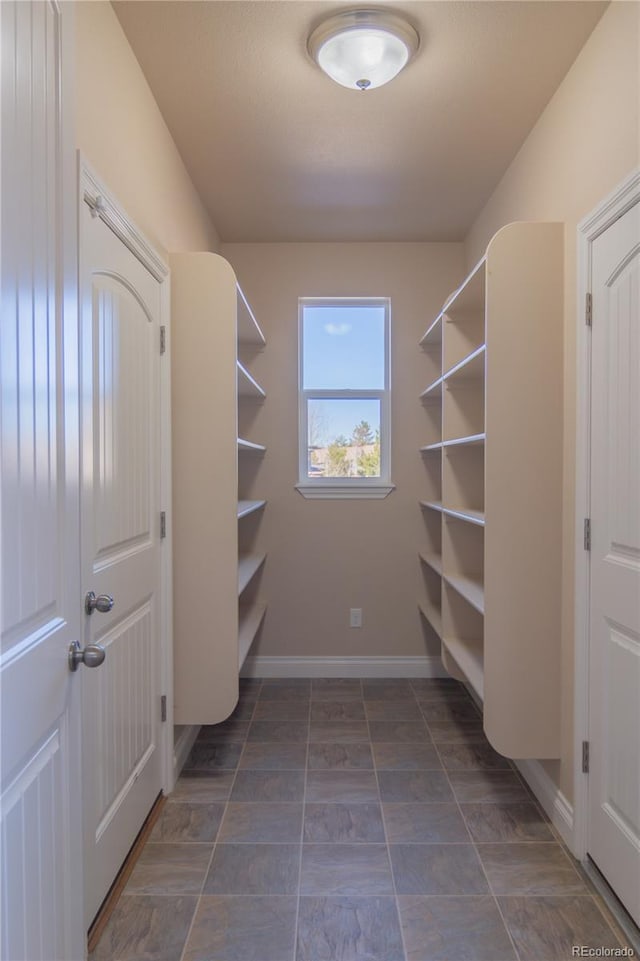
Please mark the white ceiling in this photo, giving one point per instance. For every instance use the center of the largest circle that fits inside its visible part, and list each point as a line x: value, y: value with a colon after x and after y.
x: 278, y: 152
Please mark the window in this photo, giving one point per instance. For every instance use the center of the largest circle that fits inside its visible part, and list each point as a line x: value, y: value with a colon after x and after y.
x: 344, y: 398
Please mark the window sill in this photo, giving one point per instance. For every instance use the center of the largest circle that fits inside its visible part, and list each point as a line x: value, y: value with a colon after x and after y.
x: 345, y: 491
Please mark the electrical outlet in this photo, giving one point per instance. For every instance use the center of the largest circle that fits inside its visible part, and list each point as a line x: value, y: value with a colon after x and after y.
x: 355, y: 617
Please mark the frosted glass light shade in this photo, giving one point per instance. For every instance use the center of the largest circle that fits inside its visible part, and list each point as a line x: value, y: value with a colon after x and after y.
x: 363, y: 49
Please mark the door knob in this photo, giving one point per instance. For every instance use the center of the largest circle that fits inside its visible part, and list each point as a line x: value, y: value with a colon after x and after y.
x: 91, y: 656
x: 103, y: 603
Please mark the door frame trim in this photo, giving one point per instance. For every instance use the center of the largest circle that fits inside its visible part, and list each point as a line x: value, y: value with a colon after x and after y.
x: 103, y: 204
x: 610, y: 209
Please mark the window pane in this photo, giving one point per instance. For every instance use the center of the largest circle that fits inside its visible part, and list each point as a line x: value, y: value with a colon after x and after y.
x: 343, y: 438
x: 343, y: 348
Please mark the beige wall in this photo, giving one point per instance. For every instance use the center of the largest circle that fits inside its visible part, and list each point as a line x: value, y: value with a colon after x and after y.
x: 583, y: 145
x: 120, y: 130
x: 327, y: 556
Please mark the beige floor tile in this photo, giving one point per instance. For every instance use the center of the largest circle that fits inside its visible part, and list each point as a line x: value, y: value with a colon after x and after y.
x: 406, y: 756
x: 293, y: 732
x: 424, y: 823
x: 281, y: 711
x: 450, y: 711
x: 516, y: 821
x: 244, y: 821
x: 345, y: 869
x: 254, y: 869
x: 472, y: 757
x: 230, y: 928
x: 212, y: 757
x: 406, y: 710
x: 437, y: 869
x: 548, y: 928
x: 334, y: 757
x: 351, y: 709
x: 343, y: 822
x: 530, y: 869
x: 380, y: 689
x: 487, y: 786
x: 414, y: 786
x: 415, y: 731
x: 187, y: 821
x: 199, y: 787
x: 146, y: 928
x: 273, y: 756
x: 338, y: 731
x: 341, y: 786
x: 170, y: 869
x: 349, y: 929
x: 466, y: 928
x: 268, y: 786
x: 335, y: 688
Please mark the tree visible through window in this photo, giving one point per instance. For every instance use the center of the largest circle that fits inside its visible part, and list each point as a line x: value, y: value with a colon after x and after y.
x: 344, y: 392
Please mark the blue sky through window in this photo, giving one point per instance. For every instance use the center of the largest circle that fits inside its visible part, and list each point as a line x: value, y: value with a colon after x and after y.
x: 343, y: 349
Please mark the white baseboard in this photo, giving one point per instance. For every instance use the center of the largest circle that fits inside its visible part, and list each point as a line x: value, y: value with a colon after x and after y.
x: 343, y: 667
x: 183, y: 746
x: 552, y: 800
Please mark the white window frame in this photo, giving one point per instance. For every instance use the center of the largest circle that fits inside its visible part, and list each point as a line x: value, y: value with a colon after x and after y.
x: 345, y: 487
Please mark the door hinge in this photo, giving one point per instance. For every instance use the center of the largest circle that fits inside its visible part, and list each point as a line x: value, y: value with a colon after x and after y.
x: 585, y: 757
x: 587, y: 533
x: 163, y: 339
x: 163, y: 524
x: 163, y: 707
x: 588, y: 309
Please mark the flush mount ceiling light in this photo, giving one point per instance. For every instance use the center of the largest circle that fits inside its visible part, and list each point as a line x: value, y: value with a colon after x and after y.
x: 363, y: 49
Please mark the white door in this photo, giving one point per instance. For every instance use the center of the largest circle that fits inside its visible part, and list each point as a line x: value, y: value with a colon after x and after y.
x: 120, y: 524
x: 41, y: 797
x: 614, y: 658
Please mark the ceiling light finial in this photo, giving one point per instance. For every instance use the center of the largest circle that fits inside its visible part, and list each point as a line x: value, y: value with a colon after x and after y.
x: 363, y: 49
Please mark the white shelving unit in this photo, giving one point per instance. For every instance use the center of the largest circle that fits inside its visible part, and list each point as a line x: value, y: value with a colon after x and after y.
x: 493, y: 486
x: 248, y: 447
x: 247, y: 386
x: 245, y: 508
x: 434, y: 561
x: 248, y: 567
x: 216, y: 513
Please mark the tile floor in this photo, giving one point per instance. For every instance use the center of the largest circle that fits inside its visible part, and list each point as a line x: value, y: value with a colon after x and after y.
x: 347, y: 820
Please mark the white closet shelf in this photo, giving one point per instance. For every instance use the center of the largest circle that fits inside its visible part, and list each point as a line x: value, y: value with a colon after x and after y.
x: 432, y: 615
x: 470, y: 295
x: 432, y: 505
x: 433, y: 393
x: 250, y: 620
x: 469, y: 588
x: 469, y: 656
x: 248, y: 507
x: 248, y: 567
x: 247, y: 386
x: 248, y: 327
x: 433, y: 335
x: 469, y: 370
x: 471, y: 440
x: 465, y: 514
x: 249, y: 447
x: 434, y: 561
